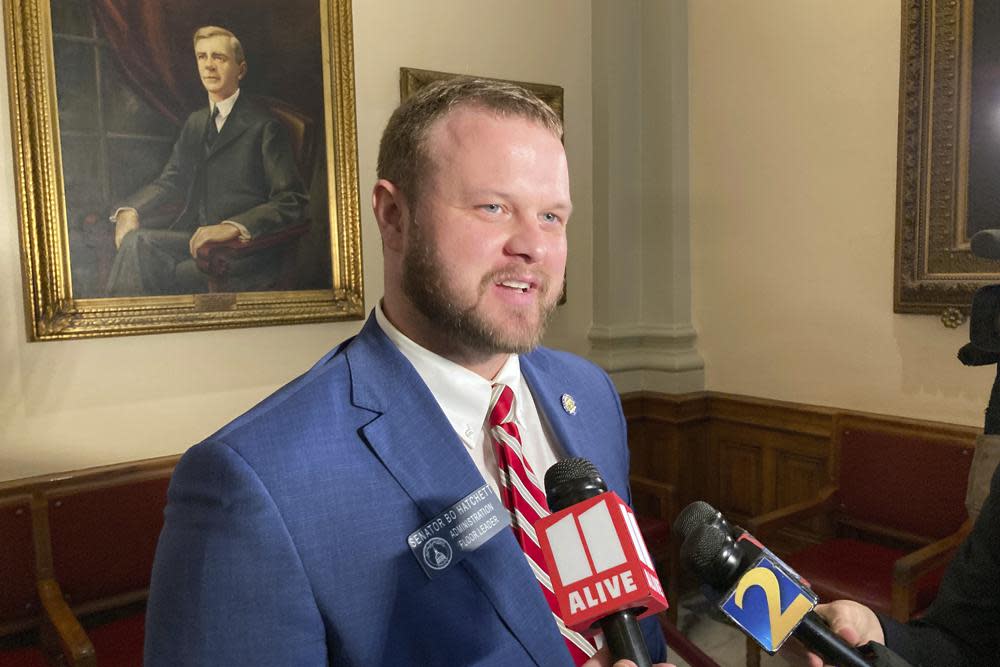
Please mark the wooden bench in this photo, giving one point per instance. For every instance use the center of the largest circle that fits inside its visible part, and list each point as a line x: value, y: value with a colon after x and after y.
x: 78, y: 553
x: 894, y: 515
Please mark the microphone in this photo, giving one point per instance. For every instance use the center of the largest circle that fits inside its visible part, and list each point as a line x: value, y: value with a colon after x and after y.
x: 601, y: 572
x: 695, y: 515
x: 700, y: 513
x: 783, y: 605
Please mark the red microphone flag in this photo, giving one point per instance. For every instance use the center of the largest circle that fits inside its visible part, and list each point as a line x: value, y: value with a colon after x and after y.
x: 598, y: 562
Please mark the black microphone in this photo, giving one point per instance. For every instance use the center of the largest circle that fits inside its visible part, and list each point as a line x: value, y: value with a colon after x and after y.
x: 736, y: 565
x: 700, y: 513
x: 567, y: 483
x: 696, y: 515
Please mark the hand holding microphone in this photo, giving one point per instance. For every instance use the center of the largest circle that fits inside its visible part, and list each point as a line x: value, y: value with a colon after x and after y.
x: 765, y: 598
x: 856, y: 623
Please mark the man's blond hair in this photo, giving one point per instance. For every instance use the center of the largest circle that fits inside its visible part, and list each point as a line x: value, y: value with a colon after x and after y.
x: 402, y: 154
x: 207, y: 31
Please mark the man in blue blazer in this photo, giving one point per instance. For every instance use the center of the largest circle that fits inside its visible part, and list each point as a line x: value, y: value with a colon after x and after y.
x: 286, y: 532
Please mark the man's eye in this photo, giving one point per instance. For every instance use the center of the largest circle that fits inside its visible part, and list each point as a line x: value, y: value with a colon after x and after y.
x: 550, y: 217
x: 491, y: 208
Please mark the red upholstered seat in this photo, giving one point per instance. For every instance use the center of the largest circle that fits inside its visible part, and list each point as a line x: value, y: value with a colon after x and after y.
x: 23, y: 657
x: 862, y: 571
x: 104, y: 538
x: 103, y: 543
x: 911, y: 481
x: 19, y: 605
x: 79, y: 546
x: 19, y: 601
x: 119, y: 643
x: 895, y: 511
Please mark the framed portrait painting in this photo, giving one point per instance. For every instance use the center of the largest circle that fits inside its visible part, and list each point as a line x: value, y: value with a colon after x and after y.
x: 184, y: 165
x: 949, y: 154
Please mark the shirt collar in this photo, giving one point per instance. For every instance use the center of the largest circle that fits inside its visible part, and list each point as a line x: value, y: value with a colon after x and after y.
x: 464, y: 396
x: 226, y: 105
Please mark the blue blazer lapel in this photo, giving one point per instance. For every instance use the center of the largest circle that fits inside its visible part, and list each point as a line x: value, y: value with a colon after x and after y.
x: 596, y: 431
x: 410, y: 434
x: 414, y: 441
x: 547, y: 388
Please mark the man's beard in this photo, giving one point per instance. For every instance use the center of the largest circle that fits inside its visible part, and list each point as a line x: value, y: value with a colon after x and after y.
x: 428, y: 288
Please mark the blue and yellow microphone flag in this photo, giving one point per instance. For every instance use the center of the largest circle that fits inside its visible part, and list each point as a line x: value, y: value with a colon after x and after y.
x: 768, y: 602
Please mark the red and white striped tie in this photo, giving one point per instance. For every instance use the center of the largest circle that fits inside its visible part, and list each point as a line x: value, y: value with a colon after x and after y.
x: 522, y: 495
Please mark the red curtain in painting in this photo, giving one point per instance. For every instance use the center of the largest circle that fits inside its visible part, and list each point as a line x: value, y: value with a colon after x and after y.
x: 141, y: 40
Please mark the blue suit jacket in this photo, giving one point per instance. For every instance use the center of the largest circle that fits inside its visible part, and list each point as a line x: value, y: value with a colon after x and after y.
x: 285, y: 534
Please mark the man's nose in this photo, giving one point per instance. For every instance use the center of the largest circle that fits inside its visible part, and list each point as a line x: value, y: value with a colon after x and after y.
x: 527, y: 239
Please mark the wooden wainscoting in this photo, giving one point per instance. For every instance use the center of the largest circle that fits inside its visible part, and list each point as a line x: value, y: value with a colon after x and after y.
x: 668, y: 438
x: 746, y: 455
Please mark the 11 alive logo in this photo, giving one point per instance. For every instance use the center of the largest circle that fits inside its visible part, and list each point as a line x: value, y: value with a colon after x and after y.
x: 768, y: 602
x: 598, y: 562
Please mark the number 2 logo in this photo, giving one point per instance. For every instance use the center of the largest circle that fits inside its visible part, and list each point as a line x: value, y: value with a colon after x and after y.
x: 782, y: 622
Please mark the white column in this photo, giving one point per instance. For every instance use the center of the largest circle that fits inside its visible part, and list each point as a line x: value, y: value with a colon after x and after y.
x: 642, y: 333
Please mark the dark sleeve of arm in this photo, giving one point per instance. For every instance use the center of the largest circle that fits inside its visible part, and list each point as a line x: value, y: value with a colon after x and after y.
x: 287, y: 198
x: 228, y: 587
x: 655, y: 642
x: 960, y: 627
x: 170, y: 187
x: 920, y: 644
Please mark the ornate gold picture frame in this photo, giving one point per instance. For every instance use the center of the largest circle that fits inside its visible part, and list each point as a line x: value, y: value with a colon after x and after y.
x: 85, y: 134
x: 942, y: 200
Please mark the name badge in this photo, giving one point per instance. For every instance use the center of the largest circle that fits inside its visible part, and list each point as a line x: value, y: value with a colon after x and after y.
x: 457, y: 531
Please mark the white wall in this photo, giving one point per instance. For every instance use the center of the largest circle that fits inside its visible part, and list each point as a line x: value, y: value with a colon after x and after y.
x: 67, y: 405
x: 793, y: 181
x: 792, y: 164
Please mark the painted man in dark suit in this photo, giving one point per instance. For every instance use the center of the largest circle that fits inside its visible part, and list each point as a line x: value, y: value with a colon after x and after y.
x: 232, y: 175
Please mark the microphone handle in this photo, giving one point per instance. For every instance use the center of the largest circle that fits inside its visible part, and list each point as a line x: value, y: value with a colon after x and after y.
x: 624, y: 638
x: 817, y: 635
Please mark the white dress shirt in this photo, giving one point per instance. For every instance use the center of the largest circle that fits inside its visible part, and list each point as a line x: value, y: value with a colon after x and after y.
x: 464, y: 397
x: 225, y: 108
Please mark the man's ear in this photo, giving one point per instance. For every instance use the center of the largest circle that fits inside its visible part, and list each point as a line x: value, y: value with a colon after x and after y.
x: 392, y: 212
x: 243, y: 70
